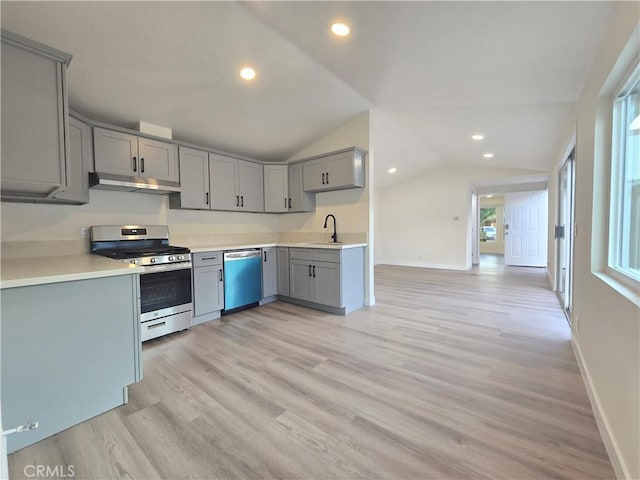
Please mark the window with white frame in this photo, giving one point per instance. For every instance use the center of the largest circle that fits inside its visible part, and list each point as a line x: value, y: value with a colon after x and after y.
x: 624, y: 228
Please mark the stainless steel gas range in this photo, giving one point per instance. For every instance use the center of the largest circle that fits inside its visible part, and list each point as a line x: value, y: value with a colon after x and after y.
x: 165, y: 285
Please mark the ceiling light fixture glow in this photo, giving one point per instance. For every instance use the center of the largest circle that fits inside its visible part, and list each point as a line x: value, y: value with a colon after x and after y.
x: 340, y: 29
x: 248, y: 73
x: 489, y: 196
x: 477, y: 136
x: 488, y: 155
x: 392, y: 170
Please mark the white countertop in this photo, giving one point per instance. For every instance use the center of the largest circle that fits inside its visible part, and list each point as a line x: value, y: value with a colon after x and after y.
x: 331, y: 246
x: 22, y: 272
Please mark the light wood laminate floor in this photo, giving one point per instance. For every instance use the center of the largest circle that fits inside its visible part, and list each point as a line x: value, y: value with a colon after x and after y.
x: 451, y: 375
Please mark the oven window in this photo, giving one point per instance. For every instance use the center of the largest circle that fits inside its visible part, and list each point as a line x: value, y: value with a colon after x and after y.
x: 165, y: 289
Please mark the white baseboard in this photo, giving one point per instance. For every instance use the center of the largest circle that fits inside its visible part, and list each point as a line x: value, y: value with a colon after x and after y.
x: 617, y: 461
x: 426, y: 265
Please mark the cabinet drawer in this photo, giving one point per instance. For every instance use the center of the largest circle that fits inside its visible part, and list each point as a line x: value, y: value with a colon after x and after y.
x: 301, y: 253
x: 315, y: 254
x: 204, y: 259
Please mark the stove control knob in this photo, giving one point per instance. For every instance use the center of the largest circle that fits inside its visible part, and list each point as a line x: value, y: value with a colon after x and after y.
x: 153, y: 260
x: 180, y: 257
x: 132, y: 261
x: 170, y: 258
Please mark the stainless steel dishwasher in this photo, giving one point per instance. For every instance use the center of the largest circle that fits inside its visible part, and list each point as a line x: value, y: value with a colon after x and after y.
x: 242, y: 278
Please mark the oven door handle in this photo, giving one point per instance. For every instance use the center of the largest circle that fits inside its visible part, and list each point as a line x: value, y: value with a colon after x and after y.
x: 169, y: 267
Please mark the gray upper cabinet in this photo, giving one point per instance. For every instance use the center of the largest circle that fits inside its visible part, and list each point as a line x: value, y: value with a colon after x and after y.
x: 80, y: 161
x: 299, y: 200
x: 334, y: 171
x: 276, y: 188
x: 121, y: 153
x: 194, y: 180
x: 269, y: 272
x: 235, y: 184
x: 35, y: 163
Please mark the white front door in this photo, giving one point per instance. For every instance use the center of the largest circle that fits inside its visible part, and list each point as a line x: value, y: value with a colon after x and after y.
x: 525, y: 229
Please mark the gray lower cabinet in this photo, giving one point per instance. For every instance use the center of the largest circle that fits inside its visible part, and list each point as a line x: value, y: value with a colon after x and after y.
x: 35, y: 138
x: 282, y: 255
x: 208, y: 286
x: 269, y: 272
x: 334, y: 171
x: 122, y: 153
x: 333, y: 279
x: 68, y: 351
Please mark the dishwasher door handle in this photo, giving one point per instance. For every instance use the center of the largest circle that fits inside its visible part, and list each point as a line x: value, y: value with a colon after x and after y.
x: 230, y: 256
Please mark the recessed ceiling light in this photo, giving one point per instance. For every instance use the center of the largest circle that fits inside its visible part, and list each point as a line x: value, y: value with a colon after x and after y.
x: 489, y: 196
x: 340, y: 29
x: 488, y: 155
x: 392, y: 170
x: 477, y: 137
x: 248, y: 73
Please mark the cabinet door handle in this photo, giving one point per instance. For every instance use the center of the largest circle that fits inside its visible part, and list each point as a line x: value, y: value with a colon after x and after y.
x: 242, y: 201
x: 220, y: 273
x: 289, y: 202
x: 209, y: 258
x: 314, y: 271
x: 265, y: 256
x: 285, y: 202
x: 323, y: 178
x: 327, y: 175
x: 237, y: 200
x: 309, y: 270
x: 142, y: 166
x: 135, y: 164
x: 206, y: 198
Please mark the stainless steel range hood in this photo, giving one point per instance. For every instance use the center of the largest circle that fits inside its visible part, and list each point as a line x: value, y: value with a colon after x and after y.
x: 124, y: 183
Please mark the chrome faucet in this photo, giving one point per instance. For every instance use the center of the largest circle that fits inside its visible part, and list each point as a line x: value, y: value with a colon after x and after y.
x: 334, y: 237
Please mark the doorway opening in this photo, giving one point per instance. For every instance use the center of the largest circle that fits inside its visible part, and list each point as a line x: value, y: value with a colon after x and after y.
x: 491, y: 229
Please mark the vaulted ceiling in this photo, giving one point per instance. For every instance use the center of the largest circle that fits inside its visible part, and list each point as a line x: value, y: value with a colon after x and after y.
x: 432, y: 73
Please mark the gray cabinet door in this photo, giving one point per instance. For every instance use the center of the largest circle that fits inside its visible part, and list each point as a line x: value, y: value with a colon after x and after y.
x: 208, y: 292
x: 115, y: 152
x: 158, y: 159
x: 276, y: 187
x: 300, y: 280
x: 282, y: 255
x: 299, y: 200
x: 223, y: 182
x: 194, y: 178
x: 313, y: 174
x: 80, y: 157
x: 34, y: 121
x: 340, y: 170
x: 250, y: 186
x: 326, y: 283
x: 269, y: 272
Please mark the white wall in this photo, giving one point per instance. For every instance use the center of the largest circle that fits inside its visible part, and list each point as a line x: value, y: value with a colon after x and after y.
x: 26, y: 225
x: 416, y: 220
x: 606, y: 323
x: 350, y: 207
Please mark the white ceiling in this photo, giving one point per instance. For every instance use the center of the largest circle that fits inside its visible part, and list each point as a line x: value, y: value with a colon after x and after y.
x: 433, y: 73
